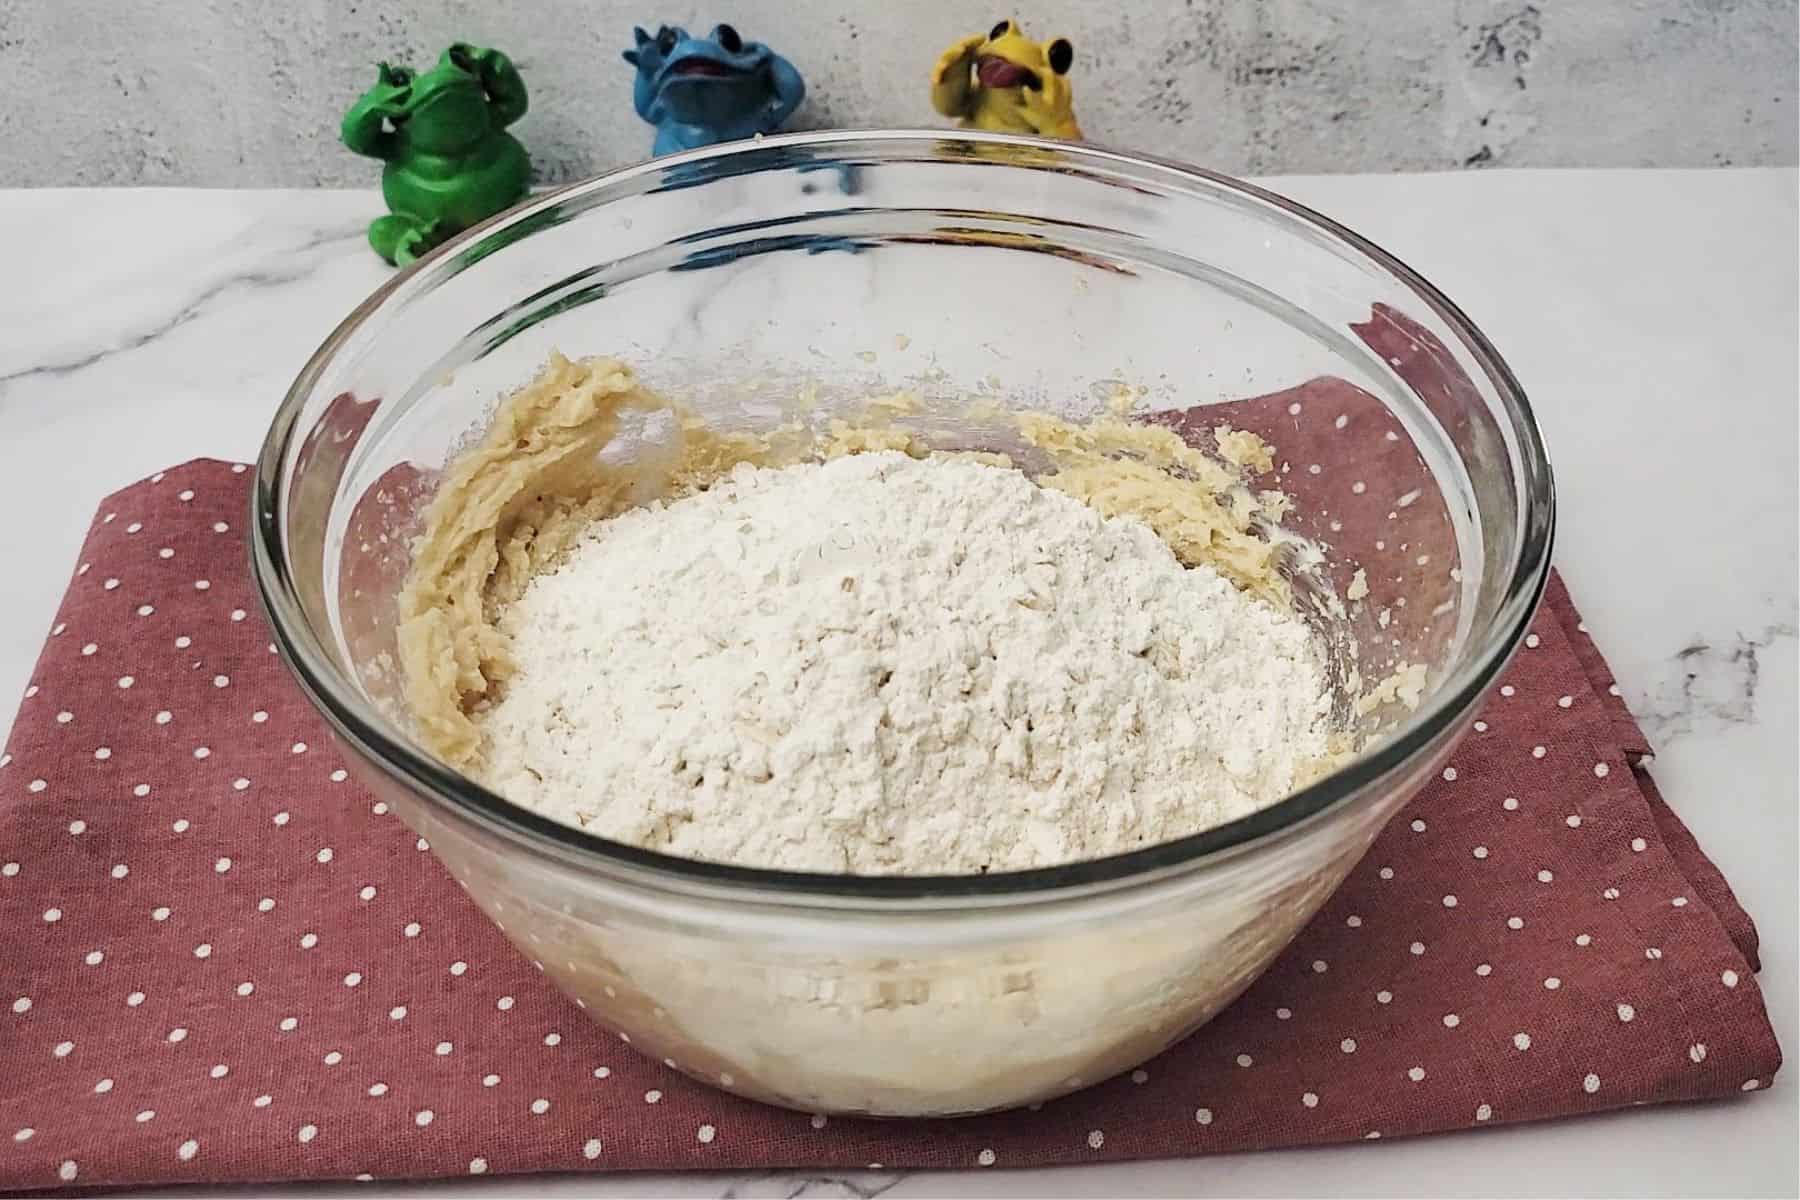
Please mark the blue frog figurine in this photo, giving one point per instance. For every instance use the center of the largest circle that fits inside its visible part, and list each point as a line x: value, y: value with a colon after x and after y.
x: 699, y: 91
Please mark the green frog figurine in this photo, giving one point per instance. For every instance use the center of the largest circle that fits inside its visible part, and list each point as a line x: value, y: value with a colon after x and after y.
x: 442, y: 133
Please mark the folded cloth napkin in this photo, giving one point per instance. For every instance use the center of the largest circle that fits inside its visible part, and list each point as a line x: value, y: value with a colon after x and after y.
x: 224, y: 961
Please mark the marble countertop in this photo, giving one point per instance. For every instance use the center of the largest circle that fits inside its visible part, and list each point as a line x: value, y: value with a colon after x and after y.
x: 1651, y: 315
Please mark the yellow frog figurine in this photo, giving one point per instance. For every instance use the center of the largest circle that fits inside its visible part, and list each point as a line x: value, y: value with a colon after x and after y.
x: 1003, y: 82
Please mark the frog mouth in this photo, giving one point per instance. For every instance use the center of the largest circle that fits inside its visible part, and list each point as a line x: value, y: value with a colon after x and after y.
x: 704, y: 68
x: 996, y: 72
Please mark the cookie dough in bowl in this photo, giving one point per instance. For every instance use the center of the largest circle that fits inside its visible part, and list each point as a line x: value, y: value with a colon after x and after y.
x: 868, y: 660
x: 924, y: 674
x: 842, y: 650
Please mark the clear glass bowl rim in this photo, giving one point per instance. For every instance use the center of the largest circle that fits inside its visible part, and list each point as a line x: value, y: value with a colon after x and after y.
x: 307, y: 659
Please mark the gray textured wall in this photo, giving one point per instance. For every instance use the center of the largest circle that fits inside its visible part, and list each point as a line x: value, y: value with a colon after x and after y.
x: 241, y: 92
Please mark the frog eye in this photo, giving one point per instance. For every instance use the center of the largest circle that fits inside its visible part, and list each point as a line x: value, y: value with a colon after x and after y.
x: 728, y: 39
x: 1062, y: 56
x: 1000, y: 31
x: 665, y: 39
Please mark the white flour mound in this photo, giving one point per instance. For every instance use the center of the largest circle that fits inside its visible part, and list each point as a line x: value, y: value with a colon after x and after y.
x: 883, y: 665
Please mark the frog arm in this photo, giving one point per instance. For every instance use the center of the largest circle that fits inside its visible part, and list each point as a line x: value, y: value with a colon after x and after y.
x: 790, y: 89
x: 1051, y: 112
x: 362, y: 128
x: 951, y: 92
x: 506, y: 90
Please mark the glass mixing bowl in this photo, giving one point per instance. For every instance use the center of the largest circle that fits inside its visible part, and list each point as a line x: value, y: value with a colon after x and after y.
x: 1024, y: 273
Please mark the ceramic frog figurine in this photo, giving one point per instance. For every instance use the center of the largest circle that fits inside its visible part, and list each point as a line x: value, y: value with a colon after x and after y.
x: 450, y: 163
x: 699, y: 91
x: 1003, y: 82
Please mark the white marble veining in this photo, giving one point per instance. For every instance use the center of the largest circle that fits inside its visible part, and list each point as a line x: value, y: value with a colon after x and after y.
x: 1650, y: 315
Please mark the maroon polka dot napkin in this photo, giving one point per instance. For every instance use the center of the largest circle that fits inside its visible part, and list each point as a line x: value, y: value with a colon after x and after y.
x: 223, y: 961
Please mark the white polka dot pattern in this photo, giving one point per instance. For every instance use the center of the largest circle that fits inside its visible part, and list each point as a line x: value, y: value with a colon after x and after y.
x: 250, y: 923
